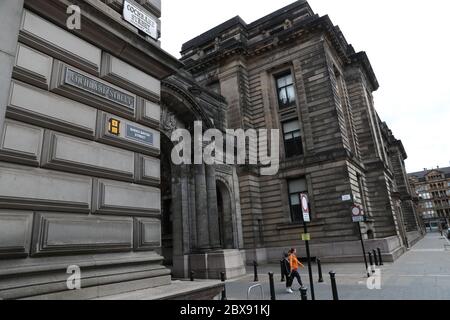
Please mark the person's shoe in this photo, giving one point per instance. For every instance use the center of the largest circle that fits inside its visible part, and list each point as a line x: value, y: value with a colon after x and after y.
x: 289, y: 290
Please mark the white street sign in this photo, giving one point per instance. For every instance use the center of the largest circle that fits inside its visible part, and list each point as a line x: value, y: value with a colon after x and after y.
x: 140, y: 19
x: 346, y: 197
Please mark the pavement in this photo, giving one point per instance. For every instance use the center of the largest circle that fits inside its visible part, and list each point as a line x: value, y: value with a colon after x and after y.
x: 422, y: 273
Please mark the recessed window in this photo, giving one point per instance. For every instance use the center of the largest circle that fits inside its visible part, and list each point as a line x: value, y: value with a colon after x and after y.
x: 286, y: 91
x: 293, y: 145
x: 296, y: 187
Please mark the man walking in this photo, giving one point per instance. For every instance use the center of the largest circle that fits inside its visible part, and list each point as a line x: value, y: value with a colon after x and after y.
x: 287, y: 272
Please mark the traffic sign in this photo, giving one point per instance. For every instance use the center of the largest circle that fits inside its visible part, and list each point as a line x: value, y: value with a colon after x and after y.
x: 357, y: 214
x: 305, y: 207
x: 306, y: 237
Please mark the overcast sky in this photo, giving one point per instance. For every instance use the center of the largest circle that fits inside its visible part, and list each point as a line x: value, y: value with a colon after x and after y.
x: 408, y: 44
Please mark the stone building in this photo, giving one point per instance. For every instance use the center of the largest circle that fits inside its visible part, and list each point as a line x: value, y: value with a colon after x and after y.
x: 432, y: 189
x: 86, y: 123
x: 86, y: 183
x: 293, y: 70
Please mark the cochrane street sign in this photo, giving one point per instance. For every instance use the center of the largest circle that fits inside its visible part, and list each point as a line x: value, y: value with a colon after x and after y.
x: 83, y: 82
x: 140, y: 19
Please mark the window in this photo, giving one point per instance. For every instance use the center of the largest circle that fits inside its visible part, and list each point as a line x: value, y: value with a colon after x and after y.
x: 286, y: 91
x: 295, y: 188
x: 293, y: 145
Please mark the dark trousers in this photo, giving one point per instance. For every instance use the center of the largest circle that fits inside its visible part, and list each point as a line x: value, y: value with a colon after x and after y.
x: 290, y: 280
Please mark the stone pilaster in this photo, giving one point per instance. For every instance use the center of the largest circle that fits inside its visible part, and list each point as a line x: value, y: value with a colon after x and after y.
x: 201, y: 205
x: 10, y: 17
x: 213, y: 212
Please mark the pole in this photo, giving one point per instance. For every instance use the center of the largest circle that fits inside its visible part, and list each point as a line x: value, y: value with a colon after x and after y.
x: 319, y: 267
x: 272, y: 287
x: 192, y: 275
x: 364, y: 249
x: 255, y: 270
x: 333, y: 285
x: 304, y: 293
x: 372, y: 266
x: 224, y: 292
x: 308, y: 254
x: 380, y: 257
x: 375, y: 257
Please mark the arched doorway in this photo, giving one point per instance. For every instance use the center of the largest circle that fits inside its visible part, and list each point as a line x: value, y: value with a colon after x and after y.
x: 226, y: 229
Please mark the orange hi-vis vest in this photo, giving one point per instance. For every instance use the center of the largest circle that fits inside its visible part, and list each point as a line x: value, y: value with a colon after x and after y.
x: 293, y: 261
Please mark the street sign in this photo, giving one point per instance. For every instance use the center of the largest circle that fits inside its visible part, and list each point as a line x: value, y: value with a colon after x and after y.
x: 140, y: 19
x: 347, y: 197
x: 357, y: 214
x: 306, y: 237
x: 305, y: 207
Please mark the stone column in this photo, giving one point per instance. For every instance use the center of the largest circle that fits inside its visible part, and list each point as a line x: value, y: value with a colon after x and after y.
x: 181, y: 221
x: 10, y: 17
x: 201, y: 208
x: 181, y: 210
x: 213, y: 212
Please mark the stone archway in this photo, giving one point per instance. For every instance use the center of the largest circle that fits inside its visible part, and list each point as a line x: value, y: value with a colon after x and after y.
x: 225, y: 209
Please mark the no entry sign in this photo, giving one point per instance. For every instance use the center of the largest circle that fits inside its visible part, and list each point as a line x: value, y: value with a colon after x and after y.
x: 305, y: 207
x: 357, y: 214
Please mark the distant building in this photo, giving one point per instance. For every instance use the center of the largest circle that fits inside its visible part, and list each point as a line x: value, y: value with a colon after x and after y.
x: 432, y: 188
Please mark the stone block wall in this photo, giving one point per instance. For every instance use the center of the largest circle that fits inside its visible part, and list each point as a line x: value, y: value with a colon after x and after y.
x: 72, y: 190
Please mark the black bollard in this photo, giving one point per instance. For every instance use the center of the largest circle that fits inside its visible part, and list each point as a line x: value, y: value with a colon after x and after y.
x: 224, y: 292
x: 255, y: 270
x: 380, y: 257
x: 371, y: 262
x: 319, y: 267
x: 192, y: 275
x: 272, y: 287
x: 333, y: 285
x: 375, y: 257
x: 304, y: 293
x: 282, y: 270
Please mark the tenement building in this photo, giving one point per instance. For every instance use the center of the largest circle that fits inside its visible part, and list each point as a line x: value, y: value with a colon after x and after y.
x: 293, y: 70
x: 432, y: 189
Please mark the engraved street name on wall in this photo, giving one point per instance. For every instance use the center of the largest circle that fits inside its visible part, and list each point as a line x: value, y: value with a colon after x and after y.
x: 83, y: 82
